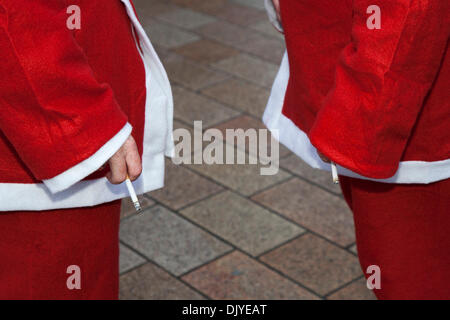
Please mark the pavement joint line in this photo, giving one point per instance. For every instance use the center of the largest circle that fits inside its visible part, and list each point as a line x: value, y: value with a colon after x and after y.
x: 220, y: 184
x: 131, y: 248
x: 177, y: 212
x: 133, y: 268
x: 281, y: 273
x: 207, y: 263
x: 224, y: 121
x: 351, y: 245
x: 233, y: 246
x: 204, y: 66
x: 149, y: 260
x: 270, y: 209
x: 135, y: 252
x: 209, y: 232
x: 241, y: 250
x: 211, y: 68
x: 195, y: 31
x: 200, y: 200
x: 286, y: 180
x: 278, y: 246
x: 343, y: 286
x: 212, y: 126
x: 234, y: 46
x: 338, y: 195
x: 259, y: 204
x: 210, y: 85
x: 234, y: 108
x: 349, y: 249
x: 302, y: 226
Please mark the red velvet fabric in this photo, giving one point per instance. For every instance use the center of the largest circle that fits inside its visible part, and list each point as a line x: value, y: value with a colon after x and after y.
x: 37, y: 247
x: 403, y: 229
x: 64, y: 93
x: 369, y: 99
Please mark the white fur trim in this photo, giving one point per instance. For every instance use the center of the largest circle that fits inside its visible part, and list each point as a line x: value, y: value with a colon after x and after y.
x: 91, y: 164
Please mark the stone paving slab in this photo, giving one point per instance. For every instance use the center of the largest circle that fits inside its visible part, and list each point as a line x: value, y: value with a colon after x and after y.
x: 129, y: 259
x: 258, y: 4
x: 209, y: 6
x: 268, y: 29
x: 239, y: 15
x: 242, y: 223
x: 191, y: 75
x: 234, y: 277
x: 249, y: 68
x: 241, y: 94
x: 227, y: 33
x: 356, y: 290
x: 170, y: 241
x: 190, y: 107
x: 183, y: 187
x: 151, y: 8
x: 206, y: 51
x: 267, y: 48
x: 150, y: 282
x: 315, y: 263
x: 185, y: 18
x: 166, y: 35
x: 246, y: 179
x: 312, y: 208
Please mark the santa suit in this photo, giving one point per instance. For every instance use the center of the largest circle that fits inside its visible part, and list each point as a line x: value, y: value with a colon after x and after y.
x: 69, y: 99
x: 375, y: 102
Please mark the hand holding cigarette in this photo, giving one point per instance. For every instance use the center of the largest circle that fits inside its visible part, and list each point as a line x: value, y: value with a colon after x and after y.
x: 334, y: 172
x: 125, y: 162
x: 126, y: 166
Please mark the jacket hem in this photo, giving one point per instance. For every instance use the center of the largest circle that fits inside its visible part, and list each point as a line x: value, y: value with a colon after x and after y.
x: 87, y: 193
x: 89, y: 165
x: 296, y: 140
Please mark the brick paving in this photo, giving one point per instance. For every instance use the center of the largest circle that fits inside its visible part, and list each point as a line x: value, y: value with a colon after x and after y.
x: 225, y: 231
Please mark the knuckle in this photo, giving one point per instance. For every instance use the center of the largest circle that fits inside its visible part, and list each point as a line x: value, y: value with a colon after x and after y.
x: 118, y: 178
x: 135, y: 172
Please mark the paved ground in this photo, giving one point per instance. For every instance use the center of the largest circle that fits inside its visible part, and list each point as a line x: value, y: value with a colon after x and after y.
x: 225, y: 231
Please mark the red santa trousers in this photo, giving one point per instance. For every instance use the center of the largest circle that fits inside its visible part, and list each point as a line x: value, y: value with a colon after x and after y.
x: 36, y: 249
x: 405, y: 230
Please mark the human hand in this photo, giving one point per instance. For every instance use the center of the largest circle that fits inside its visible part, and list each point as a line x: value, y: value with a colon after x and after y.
x: 324, y: 158
x: 276, y: 5
x: 126, y: 161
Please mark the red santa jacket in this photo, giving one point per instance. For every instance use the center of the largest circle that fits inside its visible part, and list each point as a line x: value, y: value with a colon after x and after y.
x: 70, y: 98
x: 372, y: 100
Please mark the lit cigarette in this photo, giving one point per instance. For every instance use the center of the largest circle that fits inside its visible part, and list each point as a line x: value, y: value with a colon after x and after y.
x: 334, y: 173
x: 133, y: 195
